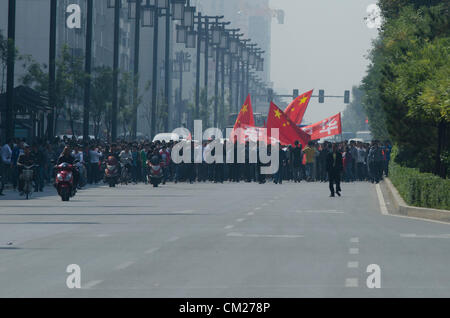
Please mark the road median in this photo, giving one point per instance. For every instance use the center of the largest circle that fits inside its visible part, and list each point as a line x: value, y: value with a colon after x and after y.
x: 400, y: 207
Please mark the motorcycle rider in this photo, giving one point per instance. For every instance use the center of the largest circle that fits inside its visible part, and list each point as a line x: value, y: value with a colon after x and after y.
x: 25, y: 159
x: 66, y: 157
x: 126, y: 157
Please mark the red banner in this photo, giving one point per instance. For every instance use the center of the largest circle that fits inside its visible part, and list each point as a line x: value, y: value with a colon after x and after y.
x: 325, y: 128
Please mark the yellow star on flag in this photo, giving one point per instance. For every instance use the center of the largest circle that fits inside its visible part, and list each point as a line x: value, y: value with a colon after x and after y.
x: 244, y: 109
x: 277, y: 114
x: 303, y: 100
x: 292, y: 109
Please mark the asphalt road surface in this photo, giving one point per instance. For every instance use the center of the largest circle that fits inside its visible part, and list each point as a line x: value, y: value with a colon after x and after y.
x: 214, y: 240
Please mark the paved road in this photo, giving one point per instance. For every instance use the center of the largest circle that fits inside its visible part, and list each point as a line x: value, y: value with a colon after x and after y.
x: 208, y: 240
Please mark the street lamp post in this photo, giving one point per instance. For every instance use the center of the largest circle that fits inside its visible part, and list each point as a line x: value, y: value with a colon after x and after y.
x: 137, y: 37
x: 8, y: 119
x: 116, y: 4
x: 52, y: 71
x: 155, y: 73
x: 87, y: 69
x: 182, y: 64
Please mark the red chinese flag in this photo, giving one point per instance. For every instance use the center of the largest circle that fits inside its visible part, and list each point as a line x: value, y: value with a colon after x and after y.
x: 325, y: 128
x: 244, y: 120
x: 245, y: 116
x: 296, y: 110
x: 288, y: 131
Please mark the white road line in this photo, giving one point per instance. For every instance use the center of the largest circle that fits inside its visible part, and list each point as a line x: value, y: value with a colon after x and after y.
x: 418, y: 219
x: 258, y: 208
x: 124, y: 265
x: 383, y: 208
x: 354, y: 240
x: 172, y: 239
x: 263, y: 235
x: 321, y: 211
x: 351, y: 282
x: 104, y: 235
x: 91, y: 284
x: 240, y: 220
x: 152, y: 250
x: 353, y: 264
x: 429, y: 236
x: 353, y: 251
x: 185, y: 211
x: 228, y: 227
x: 250, y: 213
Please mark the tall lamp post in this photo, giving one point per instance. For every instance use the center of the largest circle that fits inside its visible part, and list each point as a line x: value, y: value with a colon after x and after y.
x: 87, y: 70
x: 116, y: 4
x: 52, y: 70
x: 217, y: 40
x: 181, y: 65
x: 8, y: 119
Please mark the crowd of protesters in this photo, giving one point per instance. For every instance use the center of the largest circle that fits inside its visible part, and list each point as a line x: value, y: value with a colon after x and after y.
x: 311, y: 162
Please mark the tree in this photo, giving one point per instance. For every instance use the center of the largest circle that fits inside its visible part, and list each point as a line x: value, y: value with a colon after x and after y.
x: 69, y: 83
x: 406, y: 88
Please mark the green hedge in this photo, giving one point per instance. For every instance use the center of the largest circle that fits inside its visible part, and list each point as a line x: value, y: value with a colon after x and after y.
x: 420, y: 189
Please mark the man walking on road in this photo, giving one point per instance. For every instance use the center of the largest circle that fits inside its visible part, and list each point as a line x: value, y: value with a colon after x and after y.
x: 334, y: 168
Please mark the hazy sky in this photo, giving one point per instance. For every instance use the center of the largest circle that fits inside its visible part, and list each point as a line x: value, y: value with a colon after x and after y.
x: 322, y: 45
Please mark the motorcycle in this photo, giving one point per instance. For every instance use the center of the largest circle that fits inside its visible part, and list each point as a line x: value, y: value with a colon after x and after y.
x: 155, y: 173
x: 64, y: 181
x: 27, y: 177
x: 111, y: 172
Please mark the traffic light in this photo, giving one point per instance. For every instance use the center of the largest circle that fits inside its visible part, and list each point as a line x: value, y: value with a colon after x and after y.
x: 321, y: 96
x: 270, y: 95
x: 347, y: 97
x: 295, y: 94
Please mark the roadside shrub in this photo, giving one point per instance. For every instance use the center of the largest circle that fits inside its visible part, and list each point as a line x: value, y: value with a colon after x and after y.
x: 419, y: 189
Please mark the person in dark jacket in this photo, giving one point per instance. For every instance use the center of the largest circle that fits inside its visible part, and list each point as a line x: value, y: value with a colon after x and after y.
x: 334, y: 169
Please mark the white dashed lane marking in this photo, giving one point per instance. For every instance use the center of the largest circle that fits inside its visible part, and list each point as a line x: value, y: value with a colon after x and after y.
x: 240, y: 220
x: 353, y: 251
x: 354, y: 240
x: 91, y: 284
x: 351, y: 282
x: 263, y: 235
x: 172, y: 239
x: 124, y: 265
x: 228, y: 227
x: 437, y: 236
x: 152, y: 250
x: 353, y: 264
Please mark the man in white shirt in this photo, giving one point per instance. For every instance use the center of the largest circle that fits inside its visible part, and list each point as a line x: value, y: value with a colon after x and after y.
x: 5, y: 163
x: 94, y: 159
